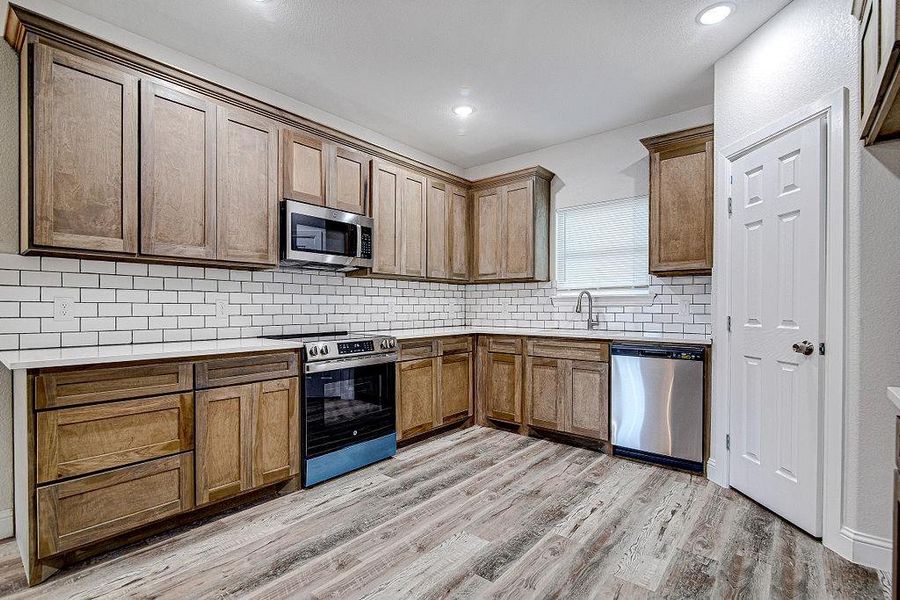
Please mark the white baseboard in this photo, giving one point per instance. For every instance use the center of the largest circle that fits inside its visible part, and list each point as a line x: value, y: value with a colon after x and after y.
x: 713, y: 474
x: 867, y: 550
x: 6, y: 523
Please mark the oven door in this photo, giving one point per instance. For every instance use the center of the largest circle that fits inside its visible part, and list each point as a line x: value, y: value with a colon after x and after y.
x: 314, y: 235
x: 347, y: 403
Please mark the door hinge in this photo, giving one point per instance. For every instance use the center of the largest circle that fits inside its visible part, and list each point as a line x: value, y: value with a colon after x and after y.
x: 728, y: 441
x: 729, y: 323
x: 822, y: 349
x: 730, y: 210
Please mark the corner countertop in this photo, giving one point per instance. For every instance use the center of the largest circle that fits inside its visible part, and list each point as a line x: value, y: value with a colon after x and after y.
x: 612, y: 336
x: 893, y: 394
x: 92, y: 355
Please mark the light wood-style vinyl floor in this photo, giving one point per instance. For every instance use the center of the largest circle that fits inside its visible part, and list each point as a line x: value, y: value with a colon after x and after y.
x: 478, y: 513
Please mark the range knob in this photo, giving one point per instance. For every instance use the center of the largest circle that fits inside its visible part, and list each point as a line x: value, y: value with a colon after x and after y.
x: 392, y: 343
x: 313, y: 350
x: 324, y: 350
x: 384, y: 344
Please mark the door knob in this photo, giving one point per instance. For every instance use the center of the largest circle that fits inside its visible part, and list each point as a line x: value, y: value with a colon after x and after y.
x: 804, y: 348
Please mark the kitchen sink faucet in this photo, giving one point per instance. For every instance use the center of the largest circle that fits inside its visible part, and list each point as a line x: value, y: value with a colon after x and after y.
x: 592, y: 323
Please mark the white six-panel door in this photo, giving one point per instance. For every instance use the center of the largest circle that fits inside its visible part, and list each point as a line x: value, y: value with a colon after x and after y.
x: 777, y: 258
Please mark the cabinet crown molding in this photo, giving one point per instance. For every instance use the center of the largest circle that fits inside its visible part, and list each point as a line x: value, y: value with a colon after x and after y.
x: 684, y: 136
x: 495, y: 180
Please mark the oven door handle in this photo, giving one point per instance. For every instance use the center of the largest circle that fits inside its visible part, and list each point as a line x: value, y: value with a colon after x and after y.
x: 349, y: 363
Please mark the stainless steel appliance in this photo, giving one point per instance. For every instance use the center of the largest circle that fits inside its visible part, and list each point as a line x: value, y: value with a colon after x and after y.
x: 324, y: 238
x: 348, y: 403
x: 657, y: 404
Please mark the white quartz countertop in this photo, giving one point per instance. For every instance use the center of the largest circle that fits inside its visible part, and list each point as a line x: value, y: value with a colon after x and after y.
x: 613, y: 336
x: 893, y: 394
x: 92, y: 355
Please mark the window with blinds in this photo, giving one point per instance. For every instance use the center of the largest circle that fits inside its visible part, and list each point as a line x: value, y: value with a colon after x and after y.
x: 604, y: 246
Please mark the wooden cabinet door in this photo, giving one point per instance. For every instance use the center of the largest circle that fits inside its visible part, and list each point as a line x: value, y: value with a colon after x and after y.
x: 436, y: 219
x: 504, y: 387
x: 456, y: 389
x: 386, y: 181
x: 545, y: 392
x: 417, y: 394
x: 276, y: 424
x: 304, y: 160
x: 348, y: 180
x: 224, y: 441
x: 517, y: 237
x: 588, y: 399
x: 85, y: 153
x: 488, y: 234
x: 458, y: 233
x: 178, y: 172
x: 247, y: 194
x: 413, y: 190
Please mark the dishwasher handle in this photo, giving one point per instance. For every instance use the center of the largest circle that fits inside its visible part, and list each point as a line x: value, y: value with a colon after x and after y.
x: 666, y: 352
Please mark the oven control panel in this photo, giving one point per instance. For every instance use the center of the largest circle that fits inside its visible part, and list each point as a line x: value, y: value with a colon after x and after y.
x: 338, y: 349
x: 356, y: 347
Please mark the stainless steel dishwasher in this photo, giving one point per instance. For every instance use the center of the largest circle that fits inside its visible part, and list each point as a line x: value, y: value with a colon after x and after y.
x: 657, y: 404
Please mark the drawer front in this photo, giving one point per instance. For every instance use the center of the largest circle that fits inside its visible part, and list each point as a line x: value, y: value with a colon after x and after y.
x: 85, y: 439
x: 55, y: 389
x: 416, y: 349
x: 81, y: 511
x: 221, y: 372
x: 507, y: 345
x: 569, y: 349
x: 455, y: 345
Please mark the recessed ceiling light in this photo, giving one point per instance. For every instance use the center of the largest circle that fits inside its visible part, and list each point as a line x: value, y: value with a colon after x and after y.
x: 463, y: 110
x: 715, y: 14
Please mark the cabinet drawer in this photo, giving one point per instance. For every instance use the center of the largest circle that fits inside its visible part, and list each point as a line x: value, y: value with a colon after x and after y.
x: 78, y: 512
x: 415, y: 349
x: 71, y: 387
x: 81, y: 440
x: 220, y: 372
x: 508, y: 345
x: 569, y: 349
x: 455, y: 345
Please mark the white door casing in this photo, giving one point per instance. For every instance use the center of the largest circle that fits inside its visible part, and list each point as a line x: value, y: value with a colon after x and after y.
x: 777, y: 274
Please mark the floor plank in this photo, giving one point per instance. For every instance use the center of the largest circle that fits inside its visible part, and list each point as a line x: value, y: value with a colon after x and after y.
x: 476, y: 513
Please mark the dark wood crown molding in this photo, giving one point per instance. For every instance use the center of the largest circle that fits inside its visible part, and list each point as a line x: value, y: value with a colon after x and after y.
x: 684, y: 136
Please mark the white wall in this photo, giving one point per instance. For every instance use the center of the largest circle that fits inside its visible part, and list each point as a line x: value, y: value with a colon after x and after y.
x: 804, y: 53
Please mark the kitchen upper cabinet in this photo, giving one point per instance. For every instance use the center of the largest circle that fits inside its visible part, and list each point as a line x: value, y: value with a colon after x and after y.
x: 317, y: 171
x: 879, y: 48
x: 417, y: 394
x: 178, y: 172
x: 458, y: 233
x: 447, y: 231
x: 83, y: 166
x: 413, y: 249
x: 681, y: 202
x: 386, y: 180
x: 512, y: 227
x: 246, y: 172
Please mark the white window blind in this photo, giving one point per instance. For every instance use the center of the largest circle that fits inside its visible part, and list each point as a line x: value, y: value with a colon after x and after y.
x: 604, y: 245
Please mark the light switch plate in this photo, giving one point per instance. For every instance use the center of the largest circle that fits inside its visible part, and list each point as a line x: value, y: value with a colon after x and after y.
x: 63, y: 309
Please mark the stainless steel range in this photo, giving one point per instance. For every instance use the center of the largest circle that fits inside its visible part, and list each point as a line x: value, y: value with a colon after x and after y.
x: 348, y: 414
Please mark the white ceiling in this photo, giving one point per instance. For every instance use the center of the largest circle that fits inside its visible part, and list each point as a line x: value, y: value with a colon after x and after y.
x: 539, y: 72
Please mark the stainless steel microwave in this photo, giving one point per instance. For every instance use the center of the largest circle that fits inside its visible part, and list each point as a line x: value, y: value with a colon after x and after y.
x: 324, y: 238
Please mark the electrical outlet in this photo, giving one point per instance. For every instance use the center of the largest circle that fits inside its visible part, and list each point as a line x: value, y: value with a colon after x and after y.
x: 63, y: 309
x: 221, y: 309
x: 684, y: 307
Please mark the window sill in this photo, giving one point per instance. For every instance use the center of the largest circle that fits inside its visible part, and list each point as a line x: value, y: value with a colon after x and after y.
x: 606, y: 299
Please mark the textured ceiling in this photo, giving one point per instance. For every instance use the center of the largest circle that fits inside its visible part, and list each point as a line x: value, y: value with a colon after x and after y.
x: 538, y: 72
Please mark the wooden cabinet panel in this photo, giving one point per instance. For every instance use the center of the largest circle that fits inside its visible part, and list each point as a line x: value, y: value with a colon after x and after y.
x: 178, y: 172
x: 85, y: 152
x: 437, y: 230
x: 247, y: 204
x: 681, y: 201
x: 303, y: 167
x: 77, y: 512
x: 456, y: 389
x: 413, y: 349
x: 70, y: 387
x: 224, y: 442
x: 386, y: 179
x: 349, y: 180
x: 81, y: 440
x: 413, y: 189
x: 518, y: 230
x: 879, y: 49
x: 218, y: 372
x: 589, y: 399
x: 571, y: 349
x: 545, y: 392
x: 453, y: 345
x: 509, y: 345
x: 276, y: 442
x: 458, y: 233
x: 417, y: 396
x: 503, y: 387
x: 488, y: 232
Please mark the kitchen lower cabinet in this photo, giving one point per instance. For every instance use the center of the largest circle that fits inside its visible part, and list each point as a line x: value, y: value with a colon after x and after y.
x: 456, y: 387
x: 503, y: 387
x: 545, y: 392
x: 417, y: 396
